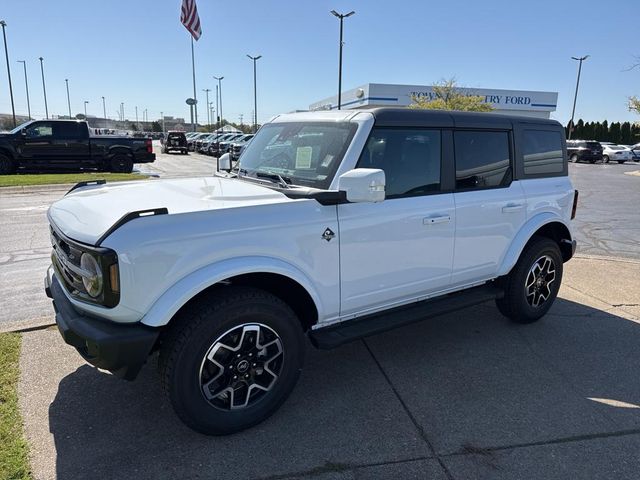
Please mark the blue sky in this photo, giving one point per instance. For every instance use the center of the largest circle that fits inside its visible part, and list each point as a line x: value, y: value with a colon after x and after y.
x: 137, y: 52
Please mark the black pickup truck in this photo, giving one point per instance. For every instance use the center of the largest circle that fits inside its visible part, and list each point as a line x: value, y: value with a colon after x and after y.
x: 67, y: 145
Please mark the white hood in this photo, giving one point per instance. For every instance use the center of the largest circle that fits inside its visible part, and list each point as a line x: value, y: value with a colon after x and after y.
x: 86, y: 214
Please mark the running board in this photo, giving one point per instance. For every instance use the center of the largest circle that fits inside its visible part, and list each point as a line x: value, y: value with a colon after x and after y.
x: 346, y: 331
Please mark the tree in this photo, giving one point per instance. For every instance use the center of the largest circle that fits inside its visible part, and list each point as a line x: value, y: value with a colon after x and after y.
x: 156, y: 127
x: 625, y: 134
x: 447, y: 96
x: 614, y: 132
x: 634, y: 104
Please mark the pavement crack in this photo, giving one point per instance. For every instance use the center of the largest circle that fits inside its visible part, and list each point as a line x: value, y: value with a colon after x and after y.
x: 625, y: 304
x: 555, y: 441
x: 418, y: 427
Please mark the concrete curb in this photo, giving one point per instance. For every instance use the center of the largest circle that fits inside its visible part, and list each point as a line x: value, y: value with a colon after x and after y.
x: 37, y: 188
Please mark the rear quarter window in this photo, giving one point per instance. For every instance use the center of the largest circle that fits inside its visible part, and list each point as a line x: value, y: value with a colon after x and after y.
x: 542, y: 152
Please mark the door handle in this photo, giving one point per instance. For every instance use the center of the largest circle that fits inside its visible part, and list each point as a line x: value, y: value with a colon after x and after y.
x: 436, y: 219
x: 512, y: 207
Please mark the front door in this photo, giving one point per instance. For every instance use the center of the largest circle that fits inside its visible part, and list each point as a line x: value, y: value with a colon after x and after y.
x: 400, y: 249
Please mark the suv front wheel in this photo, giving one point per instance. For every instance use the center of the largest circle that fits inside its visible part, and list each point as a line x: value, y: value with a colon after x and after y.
x: 231, y: 359
x: 532, y: 286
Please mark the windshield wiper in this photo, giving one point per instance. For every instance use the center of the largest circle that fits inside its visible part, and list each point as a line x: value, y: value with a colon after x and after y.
x: 276, y: 177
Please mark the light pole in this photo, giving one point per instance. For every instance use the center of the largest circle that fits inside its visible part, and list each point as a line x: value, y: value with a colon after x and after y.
x: 26, y: 85
x: 44, y: 89
x: 137, y: 126
x: 6, y: 53
x: 579, y: 59
x: 219, y: 79
x: 255, y: 94
x: 66, y: 80
x: 162, y: 116
x: 341, y: 17
x: 207, y: 90
x: 104, y: 111
x: 85, y: 109
x: 217, y: 111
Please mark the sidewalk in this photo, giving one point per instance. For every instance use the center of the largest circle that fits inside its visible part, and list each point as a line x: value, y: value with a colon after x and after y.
x: 462, y: 396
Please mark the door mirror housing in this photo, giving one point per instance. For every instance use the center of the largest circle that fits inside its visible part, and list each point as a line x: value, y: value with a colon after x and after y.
x: 224, y: 162
x: 363, y: 185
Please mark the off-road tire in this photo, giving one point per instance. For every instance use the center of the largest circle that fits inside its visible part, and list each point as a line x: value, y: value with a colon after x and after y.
x: 121, y: 163
x: 514, y: 305
x: 196, y: 329
x: 7, y: 165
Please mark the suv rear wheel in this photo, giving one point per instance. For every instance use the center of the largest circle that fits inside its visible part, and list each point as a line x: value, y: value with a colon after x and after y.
x: 533, y: 284
x: 574, y: 158
x: 231, y: 360
x: 7, y: 165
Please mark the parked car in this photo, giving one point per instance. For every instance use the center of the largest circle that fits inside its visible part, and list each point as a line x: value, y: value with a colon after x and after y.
x: 175, y: 141
x: 337, y: 225
x: 635, y: 152
x: 191, y: 141
x: 225, y: 145
x: 236, y: 147
x: 214, y: 146
x: 68, y: 145
x: 616, y: 153
x: 584, y: 151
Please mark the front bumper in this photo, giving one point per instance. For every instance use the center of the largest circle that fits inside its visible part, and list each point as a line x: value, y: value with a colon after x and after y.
x: 120, y: 348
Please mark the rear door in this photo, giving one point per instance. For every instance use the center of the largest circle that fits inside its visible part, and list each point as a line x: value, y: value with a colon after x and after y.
x: 70, y: 145
x: 400, y: 249
x: 490, y: 206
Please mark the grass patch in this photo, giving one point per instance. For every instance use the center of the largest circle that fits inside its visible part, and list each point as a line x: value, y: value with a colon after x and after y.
x: 14, y: 461
x: 57, y: 178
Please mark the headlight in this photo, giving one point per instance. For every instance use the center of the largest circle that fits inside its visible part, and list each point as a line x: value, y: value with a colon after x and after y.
x: 92, y: 278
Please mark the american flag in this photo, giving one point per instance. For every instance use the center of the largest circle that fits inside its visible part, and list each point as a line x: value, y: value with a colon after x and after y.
x: 190, y: 19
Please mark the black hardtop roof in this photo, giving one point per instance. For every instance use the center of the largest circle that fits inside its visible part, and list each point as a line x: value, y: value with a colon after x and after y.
x: 393, y: 116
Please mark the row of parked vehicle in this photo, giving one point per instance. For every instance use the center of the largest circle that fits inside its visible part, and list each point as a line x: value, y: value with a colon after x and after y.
x: 217, y: 144
x: 592, y: 151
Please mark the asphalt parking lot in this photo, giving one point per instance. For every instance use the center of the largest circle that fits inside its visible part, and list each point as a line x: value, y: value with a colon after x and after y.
x: 466, y: 395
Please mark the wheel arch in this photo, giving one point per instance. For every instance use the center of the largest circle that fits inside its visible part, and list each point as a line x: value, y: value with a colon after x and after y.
x: 543, y: 225
x: 274, y: 276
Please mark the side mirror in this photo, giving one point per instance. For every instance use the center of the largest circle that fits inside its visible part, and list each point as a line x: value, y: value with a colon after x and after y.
x: 363, y: 185
x: 224, y: 162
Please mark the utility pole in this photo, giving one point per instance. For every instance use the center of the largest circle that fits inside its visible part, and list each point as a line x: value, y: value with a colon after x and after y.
x: 162, y: 116
x: 26, y: 84
x: 580, y: 59
x: 6, y: 53
x: 220, y: 106
x: 341, y: 17
x: 137, y: 124
x: 104, y: 111
x: 255, y: 94
x: 44, y: 89
x: 66, y: 80
x: 207, y: 90
x: 85, y: 109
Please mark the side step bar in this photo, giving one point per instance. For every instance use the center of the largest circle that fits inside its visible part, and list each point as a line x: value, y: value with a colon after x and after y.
x: 335, y: 335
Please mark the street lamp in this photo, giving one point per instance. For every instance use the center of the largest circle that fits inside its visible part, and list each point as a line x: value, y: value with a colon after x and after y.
x: 44, y: 89
x: 6, y: 53
x: 162, y: 116
x: 341, y: 17
x: 137, y: 126
x: 66, y: 80
x: 219, y: 107
x: 579, y: 59
x: 26, y: 84
x: 85, y: 109
x: 255, y: 93
x: 207, y: 90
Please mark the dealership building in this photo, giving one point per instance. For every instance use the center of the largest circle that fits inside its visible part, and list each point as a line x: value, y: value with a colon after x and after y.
x: 370, y: 95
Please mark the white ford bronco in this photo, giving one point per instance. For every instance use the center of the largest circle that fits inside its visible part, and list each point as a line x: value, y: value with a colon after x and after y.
x: 333, y: 225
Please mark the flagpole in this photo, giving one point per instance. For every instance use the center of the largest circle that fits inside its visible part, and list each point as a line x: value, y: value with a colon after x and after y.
x: 193, y: 71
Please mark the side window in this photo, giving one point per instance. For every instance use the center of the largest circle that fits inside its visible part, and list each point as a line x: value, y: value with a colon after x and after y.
x: 482, y: 159
x: 39, y: 130
x: 410, y: 159
x: 542, y: 151
x: 66, y: 130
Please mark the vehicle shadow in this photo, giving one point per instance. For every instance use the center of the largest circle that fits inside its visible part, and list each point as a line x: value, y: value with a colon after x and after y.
x: 471, y: 380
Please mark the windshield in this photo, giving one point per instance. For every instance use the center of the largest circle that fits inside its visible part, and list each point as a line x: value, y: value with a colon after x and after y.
x: 20, y: 127
x: 306, y: 154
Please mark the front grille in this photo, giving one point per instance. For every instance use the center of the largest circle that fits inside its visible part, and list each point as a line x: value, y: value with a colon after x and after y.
x: 66, y: 258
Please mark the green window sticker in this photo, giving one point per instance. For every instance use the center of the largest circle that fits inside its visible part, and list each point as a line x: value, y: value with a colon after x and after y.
x: 303, y: 157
